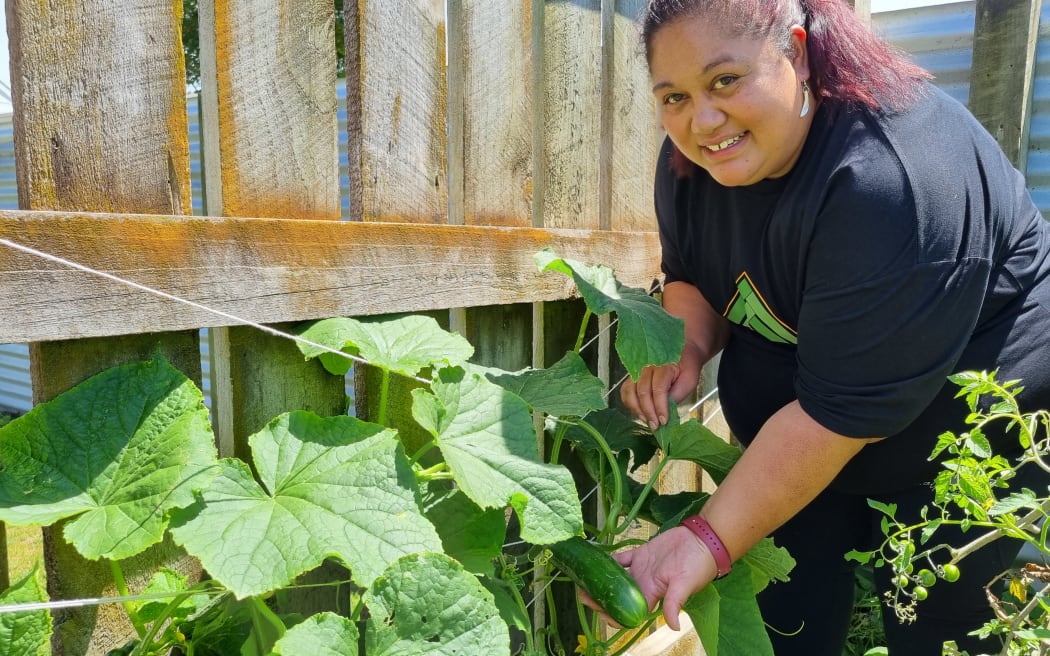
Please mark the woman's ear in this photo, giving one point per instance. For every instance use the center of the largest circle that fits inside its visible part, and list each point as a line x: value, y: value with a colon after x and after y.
x: 799, y: 53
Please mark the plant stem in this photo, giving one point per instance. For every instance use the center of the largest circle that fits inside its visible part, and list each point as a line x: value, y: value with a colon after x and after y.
x: 129, y: 608
x: 430, y: 471
x: 614, y: 466
x: 423, y: 450
x: 653, y: 476
x: 515, y: 593
x: 384, y: 396
x: 583, y: 329
x: 638, y: 633
x: 147, y: 639
x: 559, y: 438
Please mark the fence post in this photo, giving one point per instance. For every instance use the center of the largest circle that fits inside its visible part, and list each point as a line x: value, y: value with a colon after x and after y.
x: 99, y: 126
x: 1003, y: 71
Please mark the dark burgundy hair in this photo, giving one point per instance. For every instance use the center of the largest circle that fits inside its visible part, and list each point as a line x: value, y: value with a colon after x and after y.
x: 849, y: 65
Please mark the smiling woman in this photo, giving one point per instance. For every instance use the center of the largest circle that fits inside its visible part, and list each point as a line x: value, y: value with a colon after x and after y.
x: 806, y: 239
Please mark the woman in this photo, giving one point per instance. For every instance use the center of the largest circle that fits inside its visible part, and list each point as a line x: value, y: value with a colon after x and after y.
x: 846, y: 236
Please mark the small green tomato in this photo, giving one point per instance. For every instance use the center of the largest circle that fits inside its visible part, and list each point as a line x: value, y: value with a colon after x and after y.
x: 920, y: 593
x: 926, y: 577
x: 950, y: 573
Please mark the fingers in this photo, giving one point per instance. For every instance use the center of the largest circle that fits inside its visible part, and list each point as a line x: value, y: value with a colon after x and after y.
x: 647, y: 397
x: 676, y: 596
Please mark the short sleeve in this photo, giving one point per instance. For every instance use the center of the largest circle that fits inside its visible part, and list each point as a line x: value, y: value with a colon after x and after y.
x: 889, y: 304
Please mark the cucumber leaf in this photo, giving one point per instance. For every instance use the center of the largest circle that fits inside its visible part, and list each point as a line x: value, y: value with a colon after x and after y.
x: 330, y: 486
x: 405, y: 345
x: 620, y: 433
x: 567, y: 388
x: 323, y: 634
x: 645, y: 334
x: 428, y: 604
x: 25, y: 633
x: 694, y: 442
x: 469, y: 534
x: 739, y: 630
x: 768, y: 563
x: 117, y: 452
x: 488, y: 440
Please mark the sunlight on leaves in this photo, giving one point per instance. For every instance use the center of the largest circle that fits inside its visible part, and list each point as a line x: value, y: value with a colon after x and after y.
x: 330, y: 486
x: 487, y: 437
x: 324, y: 634
x: 645, y: 333
x: 566, y: 388
x: 117, y: 452
x: 25, y: 633
x: 405, y: 345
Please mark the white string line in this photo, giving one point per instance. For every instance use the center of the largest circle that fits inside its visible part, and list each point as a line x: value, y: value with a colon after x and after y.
x: 184, y: 301
x: 99, y: 601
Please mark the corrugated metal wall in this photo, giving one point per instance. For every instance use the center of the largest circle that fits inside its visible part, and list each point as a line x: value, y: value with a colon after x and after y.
x: 939, y: 38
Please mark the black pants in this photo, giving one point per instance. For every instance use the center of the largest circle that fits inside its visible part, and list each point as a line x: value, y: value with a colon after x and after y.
x: 809, y: 615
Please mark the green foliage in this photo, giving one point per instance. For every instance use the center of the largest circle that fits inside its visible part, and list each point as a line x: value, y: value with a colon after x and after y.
x: 24, y: 633
x: 974, y: 492
x: 128, y: 456
x: 117, y: 453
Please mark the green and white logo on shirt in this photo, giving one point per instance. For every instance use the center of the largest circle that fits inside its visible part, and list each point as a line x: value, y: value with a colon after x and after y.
x: 749, y: 309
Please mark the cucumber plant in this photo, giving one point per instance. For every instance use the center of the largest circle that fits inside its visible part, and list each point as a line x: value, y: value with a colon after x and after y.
x: 420, y: 527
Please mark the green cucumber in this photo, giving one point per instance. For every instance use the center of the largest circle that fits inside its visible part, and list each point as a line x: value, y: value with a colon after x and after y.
x: 602, y: 578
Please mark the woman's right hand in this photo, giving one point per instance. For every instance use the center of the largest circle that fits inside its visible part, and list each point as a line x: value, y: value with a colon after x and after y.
x: 648, y: 397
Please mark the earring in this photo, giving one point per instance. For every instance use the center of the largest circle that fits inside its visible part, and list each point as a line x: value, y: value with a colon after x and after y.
x: 805, y: 99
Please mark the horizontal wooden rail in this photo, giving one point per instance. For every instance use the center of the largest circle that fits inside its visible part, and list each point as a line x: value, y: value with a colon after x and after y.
x: 274, y: 270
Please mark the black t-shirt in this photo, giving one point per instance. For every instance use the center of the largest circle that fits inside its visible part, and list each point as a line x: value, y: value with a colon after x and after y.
x: 898, y: 250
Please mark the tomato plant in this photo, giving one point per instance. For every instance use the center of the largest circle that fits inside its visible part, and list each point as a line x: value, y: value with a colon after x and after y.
x: 974, y: 491
x: 421, y: 532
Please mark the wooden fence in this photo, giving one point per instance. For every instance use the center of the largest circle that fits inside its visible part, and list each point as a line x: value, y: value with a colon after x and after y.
x: 478, y: 133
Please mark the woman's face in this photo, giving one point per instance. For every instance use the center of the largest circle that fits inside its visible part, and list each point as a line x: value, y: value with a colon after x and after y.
x: 731, y: 105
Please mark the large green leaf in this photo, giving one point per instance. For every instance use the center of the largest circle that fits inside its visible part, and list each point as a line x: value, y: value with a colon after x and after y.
x: 406, y: 345
x: 24, y: 633
x: 427, y: 604
x: 330, y: 486
x: 324, y: 634
x: 567, y: 388
x: 117, y: 452
x: 646, y: 334
x: 488, y: 439
x: 739, y: 630
x: 469, y: 534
